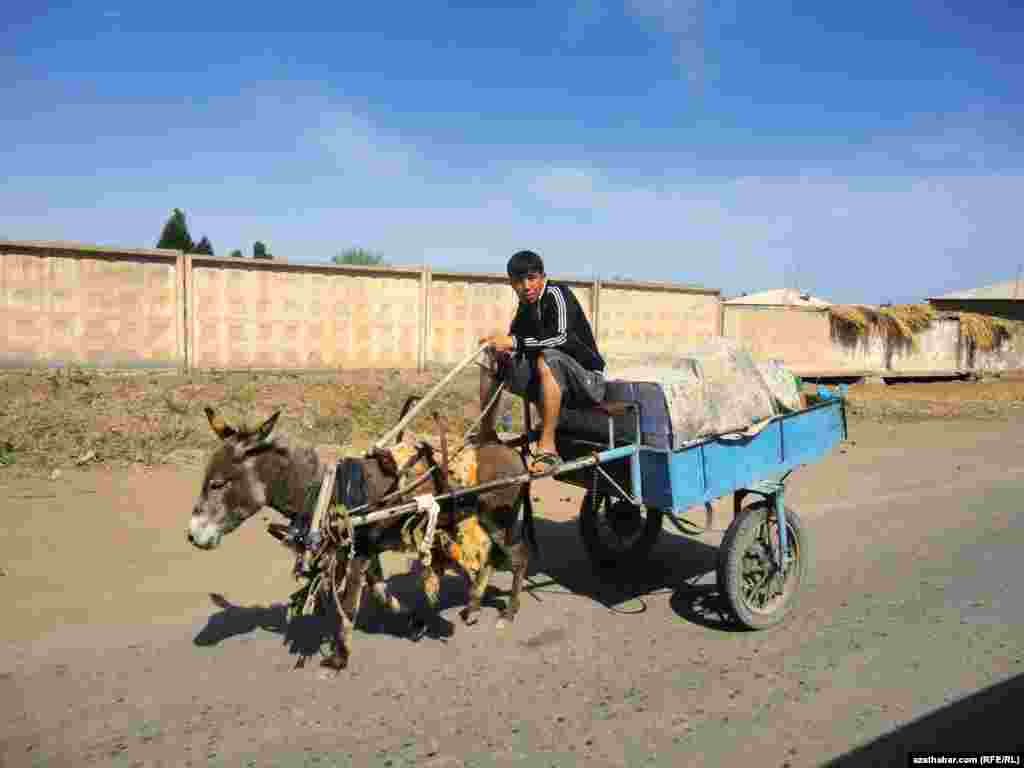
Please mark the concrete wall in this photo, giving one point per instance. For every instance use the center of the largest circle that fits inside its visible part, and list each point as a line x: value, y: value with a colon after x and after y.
x: 806, y: 341
x: 71, y: 303
x: 650, y: 319
x: 66, y: 304
x: 798, y: 336
x: 1008, y: 357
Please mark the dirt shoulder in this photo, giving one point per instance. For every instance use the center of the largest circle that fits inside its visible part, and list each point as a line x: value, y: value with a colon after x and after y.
x: 57, y: 420
x: 917, y: 401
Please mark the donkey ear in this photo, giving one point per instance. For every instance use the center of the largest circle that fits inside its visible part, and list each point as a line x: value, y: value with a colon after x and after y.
x: 264, y: 429
x: 218, y: 425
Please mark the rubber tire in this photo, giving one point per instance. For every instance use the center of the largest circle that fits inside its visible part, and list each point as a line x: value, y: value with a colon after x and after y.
x: 602, y: 557
x: 738, y: 538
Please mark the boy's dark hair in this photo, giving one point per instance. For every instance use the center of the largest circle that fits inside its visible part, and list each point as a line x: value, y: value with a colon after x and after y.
x: 524, y: 262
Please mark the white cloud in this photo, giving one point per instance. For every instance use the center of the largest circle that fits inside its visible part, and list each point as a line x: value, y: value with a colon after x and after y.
x: 358, y: 146
x: 569, y: 188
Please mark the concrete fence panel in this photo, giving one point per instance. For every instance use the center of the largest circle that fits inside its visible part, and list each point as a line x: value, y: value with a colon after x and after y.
x: 72, y: 304
x: 463, y: 307
x: 276, y: 315
x: 636, y: 319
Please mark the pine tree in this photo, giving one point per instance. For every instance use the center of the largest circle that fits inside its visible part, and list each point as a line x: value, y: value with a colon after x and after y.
x: 259, y: 251
x: 175, y: 234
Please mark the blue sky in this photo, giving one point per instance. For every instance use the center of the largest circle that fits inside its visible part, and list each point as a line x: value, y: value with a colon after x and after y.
x: 865, y: 151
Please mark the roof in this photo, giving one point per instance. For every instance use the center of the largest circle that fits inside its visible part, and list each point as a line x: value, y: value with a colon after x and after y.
x: 781, y: 297
x: 1006, y: 290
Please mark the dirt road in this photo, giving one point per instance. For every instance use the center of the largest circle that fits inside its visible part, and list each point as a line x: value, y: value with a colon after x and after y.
x: 122, y: 645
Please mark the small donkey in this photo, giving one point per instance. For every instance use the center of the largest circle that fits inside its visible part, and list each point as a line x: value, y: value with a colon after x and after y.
x: 256, y: 468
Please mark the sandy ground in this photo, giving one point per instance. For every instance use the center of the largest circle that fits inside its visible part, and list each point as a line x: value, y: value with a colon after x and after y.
x: 124, y: 646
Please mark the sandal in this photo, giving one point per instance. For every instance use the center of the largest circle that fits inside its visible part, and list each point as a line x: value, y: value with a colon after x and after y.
x: 551, y: 460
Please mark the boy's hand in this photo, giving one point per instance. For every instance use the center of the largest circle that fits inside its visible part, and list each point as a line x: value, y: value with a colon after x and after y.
x: 500, y: 342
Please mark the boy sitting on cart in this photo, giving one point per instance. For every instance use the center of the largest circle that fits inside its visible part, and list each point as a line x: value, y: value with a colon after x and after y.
x: 549, y: 355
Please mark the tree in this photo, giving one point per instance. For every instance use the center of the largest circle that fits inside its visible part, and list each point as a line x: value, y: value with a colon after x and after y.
x: 259, y: 251
x: 175, y: 234
x: 236, y: 254
x: 203, y: 247
x: 360, y: 257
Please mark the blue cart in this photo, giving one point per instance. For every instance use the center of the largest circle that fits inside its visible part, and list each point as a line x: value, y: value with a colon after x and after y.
x: 621, y: 454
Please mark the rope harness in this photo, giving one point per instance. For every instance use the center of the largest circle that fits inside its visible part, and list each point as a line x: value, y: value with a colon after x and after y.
x: 326, y: 544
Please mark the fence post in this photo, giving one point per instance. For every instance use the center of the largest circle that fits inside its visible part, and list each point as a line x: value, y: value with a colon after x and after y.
x: 424, y: 340
x: 180, y: 313
x: 190, y: 314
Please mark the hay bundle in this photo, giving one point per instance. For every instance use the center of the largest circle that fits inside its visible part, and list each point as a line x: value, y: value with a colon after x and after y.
x: 984, y: 332
x: 898, y: 323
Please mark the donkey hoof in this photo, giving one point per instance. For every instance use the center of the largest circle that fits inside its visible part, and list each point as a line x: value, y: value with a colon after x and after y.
x: 327, y: 673
x: 332, y: 665
x: 470, y: 616
x: 417, y: 629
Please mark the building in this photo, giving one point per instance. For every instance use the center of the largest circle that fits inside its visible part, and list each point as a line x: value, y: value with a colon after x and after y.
x: 1004, y: 300
x: 780, y: 297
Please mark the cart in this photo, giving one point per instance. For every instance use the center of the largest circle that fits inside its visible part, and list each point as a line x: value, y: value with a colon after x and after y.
x: 763, y: 558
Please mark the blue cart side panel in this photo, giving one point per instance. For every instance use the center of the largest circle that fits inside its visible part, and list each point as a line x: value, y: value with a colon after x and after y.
x: 654, y: 474
x: 712, y: 469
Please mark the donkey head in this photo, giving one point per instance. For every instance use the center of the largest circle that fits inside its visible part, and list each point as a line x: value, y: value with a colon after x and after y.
x: 232, y: 489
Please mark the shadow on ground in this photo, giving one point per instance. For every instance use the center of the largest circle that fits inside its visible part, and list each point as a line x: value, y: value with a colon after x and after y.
x: 983, y: 722
x: 561, y: 571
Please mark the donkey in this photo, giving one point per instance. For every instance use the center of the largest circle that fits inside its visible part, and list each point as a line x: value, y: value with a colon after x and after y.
x: 255, y: 468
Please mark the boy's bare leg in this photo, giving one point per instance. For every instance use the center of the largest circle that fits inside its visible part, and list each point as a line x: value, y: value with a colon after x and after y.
x: 550, y: 406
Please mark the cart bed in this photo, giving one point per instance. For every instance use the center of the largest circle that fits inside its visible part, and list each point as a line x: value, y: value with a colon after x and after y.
x: 713, y: 467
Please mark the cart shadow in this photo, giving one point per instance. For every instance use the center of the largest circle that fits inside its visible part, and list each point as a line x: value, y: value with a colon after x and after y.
x: 678, y: 565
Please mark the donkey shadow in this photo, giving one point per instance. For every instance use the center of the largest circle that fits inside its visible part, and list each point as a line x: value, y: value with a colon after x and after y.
x: 678, y: 565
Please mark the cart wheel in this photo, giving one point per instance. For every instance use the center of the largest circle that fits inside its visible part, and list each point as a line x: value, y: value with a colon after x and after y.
x: 617, y: 533
x: 758, y: 594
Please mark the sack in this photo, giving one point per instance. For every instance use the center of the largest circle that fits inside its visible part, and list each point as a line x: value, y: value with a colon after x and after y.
x: 716, y: 388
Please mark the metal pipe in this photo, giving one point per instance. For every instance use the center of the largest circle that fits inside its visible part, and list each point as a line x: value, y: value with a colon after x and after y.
x: 506, y: 482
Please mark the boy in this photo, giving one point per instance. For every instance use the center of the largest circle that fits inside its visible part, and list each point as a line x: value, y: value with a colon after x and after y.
x: 549, y: 355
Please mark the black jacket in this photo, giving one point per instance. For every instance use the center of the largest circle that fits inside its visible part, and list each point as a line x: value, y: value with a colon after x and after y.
x: 556, y: 321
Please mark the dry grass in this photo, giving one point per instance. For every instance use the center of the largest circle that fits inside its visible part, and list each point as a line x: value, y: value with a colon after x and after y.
x: 985, y: 333
x: 62, y: 418
x: 897, y: 323
x: 900, y: 323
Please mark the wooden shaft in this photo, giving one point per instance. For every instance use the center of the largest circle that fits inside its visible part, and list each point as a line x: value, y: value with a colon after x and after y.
x: 414, y: 411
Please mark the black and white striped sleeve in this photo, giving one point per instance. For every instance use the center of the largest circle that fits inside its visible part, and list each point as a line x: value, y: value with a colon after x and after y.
x: 553, y: 337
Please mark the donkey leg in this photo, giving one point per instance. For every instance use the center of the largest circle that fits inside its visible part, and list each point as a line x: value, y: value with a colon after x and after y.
x: 379, y: 588
x: 350, y: 599
x: 477, y: 584
x: 430, y: 579
x: 520, y: 560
